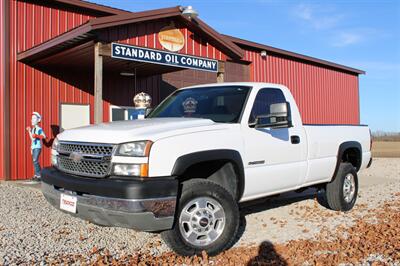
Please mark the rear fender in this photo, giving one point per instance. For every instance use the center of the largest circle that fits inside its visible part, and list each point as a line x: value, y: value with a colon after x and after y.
x: 342, y: 148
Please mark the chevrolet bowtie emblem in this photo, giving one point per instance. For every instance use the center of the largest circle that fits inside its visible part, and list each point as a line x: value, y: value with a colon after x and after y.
x: 76, y: 157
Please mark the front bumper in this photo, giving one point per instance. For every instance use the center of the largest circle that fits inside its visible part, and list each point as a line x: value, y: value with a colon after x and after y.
x: 145, y: 205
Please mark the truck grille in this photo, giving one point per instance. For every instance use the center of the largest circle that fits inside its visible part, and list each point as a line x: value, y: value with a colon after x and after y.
x: 85, y: 159
x: 97, y: 149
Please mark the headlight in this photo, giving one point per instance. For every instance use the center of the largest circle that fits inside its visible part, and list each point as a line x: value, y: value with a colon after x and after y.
x: 131, y: 170
x: 55, y: 144
x: 135, y: 149
x: 54, y: 152
x: 54, y: 160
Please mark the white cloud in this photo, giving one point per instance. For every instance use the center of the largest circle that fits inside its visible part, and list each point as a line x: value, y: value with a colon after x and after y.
x: 376, y: 70
x: 317, y: 17
x: 326, y: 21
x: 352, y: 36
x: 347, y: 38
x: 304, y: 12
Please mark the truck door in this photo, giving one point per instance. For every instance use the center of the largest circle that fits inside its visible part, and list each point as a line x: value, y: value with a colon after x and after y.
x: 275, y: 159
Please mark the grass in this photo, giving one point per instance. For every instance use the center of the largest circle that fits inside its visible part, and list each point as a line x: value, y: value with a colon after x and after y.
x: 386, y: 149
x: 386, y: 136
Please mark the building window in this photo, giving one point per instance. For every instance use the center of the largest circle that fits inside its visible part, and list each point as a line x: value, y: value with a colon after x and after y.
x: 74, y: 115
x: 264, y: 99
x: 119, y: 113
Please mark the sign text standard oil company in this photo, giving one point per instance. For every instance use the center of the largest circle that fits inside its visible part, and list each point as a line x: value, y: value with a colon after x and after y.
x: 134, y: 53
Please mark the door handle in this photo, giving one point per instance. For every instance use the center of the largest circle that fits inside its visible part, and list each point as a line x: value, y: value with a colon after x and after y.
x: 295, y: 139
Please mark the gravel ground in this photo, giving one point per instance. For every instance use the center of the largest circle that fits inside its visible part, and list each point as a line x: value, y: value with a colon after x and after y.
x: 32, y: 232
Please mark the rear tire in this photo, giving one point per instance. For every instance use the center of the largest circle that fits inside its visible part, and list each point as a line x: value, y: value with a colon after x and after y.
x: 341, y: 193
x: 207, y: 219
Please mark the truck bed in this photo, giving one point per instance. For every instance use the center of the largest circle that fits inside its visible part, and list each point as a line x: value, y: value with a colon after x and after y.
x: 323, y: 142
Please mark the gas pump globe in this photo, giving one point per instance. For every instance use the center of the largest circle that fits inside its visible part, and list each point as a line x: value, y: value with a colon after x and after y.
x: 142, y: 102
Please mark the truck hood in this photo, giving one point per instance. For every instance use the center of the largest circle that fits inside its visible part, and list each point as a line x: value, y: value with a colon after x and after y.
x: 142, y: 129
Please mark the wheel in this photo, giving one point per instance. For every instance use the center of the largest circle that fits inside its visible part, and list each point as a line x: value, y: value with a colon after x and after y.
x: 207, y: 219
x: 341, y: 193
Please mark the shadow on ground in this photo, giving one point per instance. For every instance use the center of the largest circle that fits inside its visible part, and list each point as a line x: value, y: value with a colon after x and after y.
x: 273, y: 202
x: 267, y: 255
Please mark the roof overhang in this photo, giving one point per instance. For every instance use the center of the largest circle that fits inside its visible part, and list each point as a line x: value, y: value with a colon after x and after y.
x: 87, y: 7
x: 79, y: 61
x: 89, y: 30
x: 258, y: 46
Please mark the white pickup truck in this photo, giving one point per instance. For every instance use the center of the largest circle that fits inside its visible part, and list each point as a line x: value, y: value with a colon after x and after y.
x: 184, y: 169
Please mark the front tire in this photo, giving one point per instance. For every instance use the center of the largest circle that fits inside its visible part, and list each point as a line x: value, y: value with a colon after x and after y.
x: 207, y: 219
x: 341, y: 193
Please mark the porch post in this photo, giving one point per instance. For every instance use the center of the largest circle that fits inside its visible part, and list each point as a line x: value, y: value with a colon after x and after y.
x: 98, y: 84
x: 221, y: 72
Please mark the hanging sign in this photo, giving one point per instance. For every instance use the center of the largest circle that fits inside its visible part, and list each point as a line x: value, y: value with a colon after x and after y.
x: 171, y: 38
x: 134, y: 53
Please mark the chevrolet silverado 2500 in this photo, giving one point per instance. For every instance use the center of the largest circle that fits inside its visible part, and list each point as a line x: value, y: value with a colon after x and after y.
x: 184, y: 169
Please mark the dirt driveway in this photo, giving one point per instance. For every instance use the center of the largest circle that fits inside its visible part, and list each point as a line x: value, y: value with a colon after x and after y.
x: 292, y: 229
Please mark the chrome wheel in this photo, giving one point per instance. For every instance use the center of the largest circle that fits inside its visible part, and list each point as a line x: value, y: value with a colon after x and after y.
x: 349, y: 187
x: 202, y: 221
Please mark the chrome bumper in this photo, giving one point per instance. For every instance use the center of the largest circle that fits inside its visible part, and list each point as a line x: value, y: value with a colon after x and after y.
x: 141, y: 214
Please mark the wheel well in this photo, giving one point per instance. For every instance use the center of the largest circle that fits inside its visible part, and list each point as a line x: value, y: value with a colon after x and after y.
x: 353, y: 156
x: 223, y: 172
x: 350, y: 152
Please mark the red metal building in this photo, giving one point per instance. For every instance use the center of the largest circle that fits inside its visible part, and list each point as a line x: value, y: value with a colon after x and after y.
x: 58, y: 51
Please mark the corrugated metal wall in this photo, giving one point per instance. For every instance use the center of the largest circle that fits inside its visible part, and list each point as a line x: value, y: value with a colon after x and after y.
x: 40, y: 23
x: 146, y: 34
x: 184, y: 78
x: 2, y: 86
x: 236, y: 72
x: 324, y: 95
x: 30, y: 89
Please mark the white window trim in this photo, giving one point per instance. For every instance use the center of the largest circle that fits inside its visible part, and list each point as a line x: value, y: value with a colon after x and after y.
x: 120, y: 107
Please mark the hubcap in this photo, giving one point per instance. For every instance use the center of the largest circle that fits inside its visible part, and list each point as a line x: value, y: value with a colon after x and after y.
x: 202, y: 221
x: 349, y: 188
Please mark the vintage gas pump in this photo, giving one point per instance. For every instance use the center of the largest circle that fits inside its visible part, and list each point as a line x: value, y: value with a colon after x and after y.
x: 142, y: 103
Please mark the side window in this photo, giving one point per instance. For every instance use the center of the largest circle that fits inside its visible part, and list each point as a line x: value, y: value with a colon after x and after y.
x: 264, y: 99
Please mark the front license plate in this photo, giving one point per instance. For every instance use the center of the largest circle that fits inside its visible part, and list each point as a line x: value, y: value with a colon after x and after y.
x: 68, y: 203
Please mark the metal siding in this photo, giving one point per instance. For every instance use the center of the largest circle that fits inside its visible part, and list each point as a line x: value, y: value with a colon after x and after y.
x: 324, y: 95
x: 236, y: 72
x: 146, y: 34
x: 188, y: 77
x: 37, y: 26
x: 32, y: 90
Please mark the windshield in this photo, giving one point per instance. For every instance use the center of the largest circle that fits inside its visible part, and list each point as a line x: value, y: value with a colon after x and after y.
x: 222, y: 104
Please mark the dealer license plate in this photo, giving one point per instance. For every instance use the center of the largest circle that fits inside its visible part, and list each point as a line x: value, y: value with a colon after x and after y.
x: 68, y: 203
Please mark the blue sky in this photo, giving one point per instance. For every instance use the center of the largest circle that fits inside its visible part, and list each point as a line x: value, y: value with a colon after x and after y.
x: 360, y: 34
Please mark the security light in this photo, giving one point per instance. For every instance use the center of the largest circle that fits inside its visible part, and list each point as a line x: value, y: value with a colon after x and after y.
x: 263, y: 53
x: 189, y: 12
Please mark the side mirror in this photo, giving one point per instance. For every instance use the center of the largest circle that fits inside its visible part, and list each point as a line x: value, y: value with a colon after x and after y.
x: 279, y: 117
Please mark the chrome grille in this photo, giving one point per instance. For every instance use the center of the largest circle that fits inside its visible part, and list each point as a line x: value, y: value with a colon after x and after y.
x: 94, y: 159
x: 86, y: 168
x: 92, y: 149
